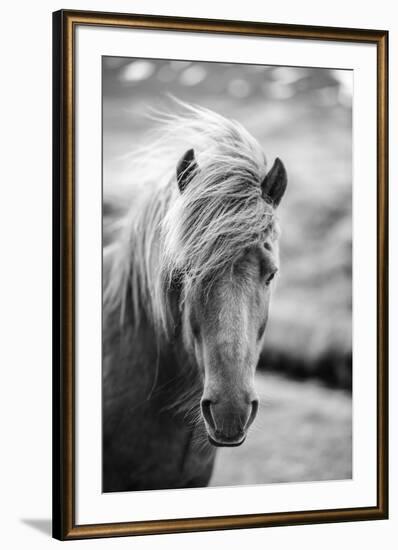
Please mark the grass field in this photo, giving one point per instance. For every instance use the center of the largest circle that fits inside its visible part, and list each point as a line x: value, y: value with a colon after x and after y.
x: 302, y: 433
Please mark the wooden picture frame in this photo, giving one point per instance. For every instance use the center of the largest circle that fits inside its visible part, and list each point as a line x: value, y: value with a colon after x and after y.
x: 65, y: 24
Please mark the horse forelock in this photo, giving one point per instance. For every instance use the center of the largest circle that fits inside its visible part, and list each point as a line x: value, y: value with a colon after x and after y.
x: 197, y: 234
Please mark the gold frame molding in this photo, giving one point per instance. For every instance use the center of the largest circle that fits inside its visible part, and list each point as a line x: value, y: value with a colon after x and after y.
x: 64, y: 26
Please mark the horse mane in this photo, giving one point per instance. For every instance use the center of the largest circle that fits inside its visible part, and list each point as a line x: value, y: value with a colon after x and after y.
x: 189, y: 237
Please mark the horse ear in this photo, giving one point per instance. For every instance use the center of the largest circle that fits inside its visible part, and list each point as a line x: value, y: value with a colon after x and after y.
x: 275, y: 182
x: 185, y: 169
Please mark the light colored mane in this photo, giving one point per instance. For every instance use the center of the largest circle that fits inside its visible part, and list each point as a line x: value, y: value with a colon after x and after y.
x: 195, y: 235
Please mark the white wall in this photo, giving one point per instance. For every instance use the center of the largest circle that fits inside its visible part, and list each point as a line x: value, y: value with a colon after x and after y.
x: 25, y: 289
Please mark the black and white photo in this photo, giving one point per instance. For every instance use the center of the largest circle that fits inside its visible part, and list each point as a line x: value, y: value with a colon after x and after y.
x: 220, y: 285
x: 227, y: 274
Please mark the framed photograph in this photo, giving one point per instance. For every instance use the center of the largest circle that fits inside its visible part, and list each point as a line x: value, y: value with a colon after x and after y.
x: 220, y: 275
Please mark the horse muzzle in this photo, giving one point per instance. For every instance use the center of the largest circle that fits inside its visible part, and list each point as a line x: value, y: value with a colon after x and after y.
x: 227, y: 423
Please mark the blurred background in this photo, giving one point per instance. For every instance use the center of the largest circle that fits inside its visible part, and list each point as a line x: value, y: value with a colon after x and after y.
x: 303, y: 115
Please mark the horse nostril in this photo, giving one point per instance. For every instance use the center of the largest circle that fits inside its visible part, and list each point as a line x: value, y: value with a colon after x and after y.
x: 253, y: 413
x: 206, y: 411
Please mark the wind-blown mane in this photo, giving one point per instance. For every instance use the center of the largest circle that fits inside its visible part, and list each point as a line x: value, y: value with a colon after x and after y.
x: 193, y: 236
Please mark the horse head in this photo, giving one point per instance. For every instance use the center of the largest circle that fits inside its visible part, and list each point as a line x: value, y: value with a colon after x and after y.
x: 224, y: 318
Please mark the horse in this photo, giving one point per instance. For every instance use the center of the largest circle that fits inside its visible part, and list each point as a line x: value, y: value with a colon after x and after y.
x: 186, y: 292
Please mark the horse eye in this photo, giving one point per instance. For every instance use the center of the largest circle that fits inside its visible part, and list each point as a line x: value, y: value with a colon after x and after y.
x: 267, y: 246
x: 269, y: 278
